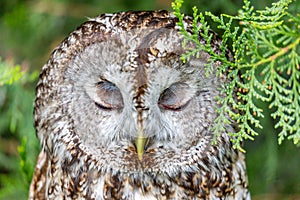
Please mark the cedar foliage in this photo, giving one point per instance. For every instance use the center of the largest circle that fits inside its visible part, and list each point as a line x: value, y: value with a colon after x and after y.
x: 266, y: 52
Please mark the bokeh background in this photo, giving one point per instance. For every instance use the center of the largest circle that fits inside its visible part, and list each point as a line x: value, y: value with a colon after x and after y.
x: 29, y: 30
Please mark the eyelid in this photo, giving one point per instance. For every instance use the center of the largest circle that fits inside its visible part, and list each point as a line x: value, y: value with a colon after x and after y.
x: 108, y: 96
x: 175, y: 97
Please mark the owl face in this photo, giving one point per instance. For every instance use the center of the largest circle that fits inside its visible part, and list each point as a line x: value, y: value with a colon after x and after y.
x: 125, y: 89
x: 126, y: 92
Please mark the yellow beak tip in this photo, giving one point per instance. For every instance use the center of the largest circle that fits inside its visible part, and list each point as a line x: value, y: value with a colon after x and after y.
x: 140, y: 146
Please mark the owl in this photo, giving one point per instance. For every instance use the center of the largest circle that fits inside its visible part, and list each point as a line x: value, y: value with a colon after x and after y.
x: 120, y: 116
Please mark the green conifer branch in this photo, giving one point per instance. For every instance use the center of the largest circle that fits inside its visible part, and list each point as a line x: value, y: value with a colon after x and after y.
x: 266, y: 48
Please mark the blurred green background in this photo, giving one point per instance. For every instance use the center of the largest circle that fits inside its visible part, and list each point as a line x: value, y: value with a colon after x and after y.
x: 29, y: 30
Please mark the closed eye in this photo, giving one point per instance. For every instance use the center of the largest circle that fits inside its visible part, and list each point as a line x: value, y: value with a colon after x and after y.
x: 174, y: 97
x: 108, y: 96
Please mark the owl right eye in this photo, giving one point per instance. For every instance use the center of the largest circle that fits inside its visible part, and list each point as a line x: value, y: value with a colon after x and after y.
x: 108, y: 96
x: 175, y: 97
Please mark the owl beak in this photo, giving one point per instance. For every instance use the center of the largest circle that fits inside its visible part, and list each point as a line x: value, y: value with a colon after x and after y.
x: 140, y: 143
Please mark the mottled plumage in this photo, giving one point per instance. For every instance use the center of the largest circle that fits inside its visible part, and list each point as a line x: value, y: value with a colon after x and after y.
x: 119, y: 116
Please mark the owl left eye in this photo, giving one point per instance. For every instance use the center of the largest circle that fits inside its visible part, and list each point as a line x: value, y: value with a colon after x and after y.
x: 175, y: 97
x: 108, y: 96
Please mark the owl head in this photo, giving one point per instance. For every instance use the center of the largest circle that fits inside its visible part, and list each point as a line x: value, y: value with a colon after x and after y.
x: 117, y: 92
